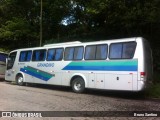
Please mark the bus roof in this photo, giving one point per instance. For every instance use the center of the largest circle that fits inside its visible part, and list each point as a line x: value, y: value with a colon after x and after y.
x: 65, y: 43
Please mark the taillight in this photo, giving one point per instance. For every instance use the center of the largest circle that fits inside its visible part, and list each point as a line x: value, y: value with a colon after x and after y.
x: 142, y: 73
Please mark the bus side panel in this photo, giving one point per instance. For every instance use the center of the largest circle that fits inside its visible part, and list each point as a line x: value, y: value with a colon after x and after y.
x: 100, y: 81
x: 135, y: 82
x: 59, y: 77
x: 96, y: 80
x: 119, y: 81
x: 91, y: 80
x: 66, y: 78
x: 56, y: 79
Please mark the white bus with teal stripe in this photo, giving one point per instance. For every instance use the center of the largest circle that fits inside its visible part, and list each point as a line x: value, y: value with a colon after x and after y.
x: 120, y: 64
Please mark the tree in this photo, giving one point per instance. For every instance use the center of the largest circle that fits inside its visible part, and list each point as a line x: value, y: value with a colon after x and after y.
x: 16, y: 33
x: 78, y: 19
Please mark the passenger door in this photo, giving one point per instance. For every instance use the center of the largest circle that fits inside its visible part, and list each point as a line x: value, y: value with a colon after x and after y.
x: 10, y: 72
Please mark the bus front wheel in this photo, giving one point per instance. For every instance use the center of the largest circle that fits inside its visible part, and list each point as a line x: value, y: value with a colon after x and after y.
x: 19, y: 80
x: 78, y: 85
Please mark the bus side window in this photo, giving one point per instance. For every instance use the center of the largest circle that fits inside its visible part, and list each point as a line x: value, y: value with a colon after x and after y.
x: 101, y: 52
x: 59, y: 54
x: 90, y: 52
x: 69, y: 53
x: 115, y: 51
x: 25, y: 56
x: 42, y: 55
x: 128, y: 50
x: 51, y: 54
x: 122, y: 50
x: 29, y: 55
x: 78, y: 53
x: 22, y: 56
x: 39, y: 55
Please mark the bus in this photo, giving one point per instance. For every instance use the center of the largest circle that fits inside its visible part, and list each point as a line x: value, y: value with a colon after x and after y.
x: 120, y: 64
x: 3, y: 57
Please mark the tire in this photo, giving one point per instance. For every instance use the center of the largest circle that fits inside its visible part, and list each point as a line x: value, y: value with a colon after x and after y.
x: 19, y: 80
x: 78, y: 85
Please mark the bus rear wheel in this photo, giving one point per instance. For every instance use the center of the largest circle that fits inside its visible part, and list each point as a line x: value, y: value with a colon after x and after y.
x: 78, y: 85
x: 20, y: 80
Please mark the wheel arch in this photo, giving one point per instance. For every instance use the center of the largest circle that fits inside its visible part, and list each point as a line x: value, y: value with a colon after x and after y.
x: 78, y: 75
x: 20, y: 73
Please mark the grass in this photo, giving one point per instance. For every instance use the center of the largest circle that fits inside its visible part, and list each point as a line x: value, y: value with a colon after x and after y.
x: 154, y: 90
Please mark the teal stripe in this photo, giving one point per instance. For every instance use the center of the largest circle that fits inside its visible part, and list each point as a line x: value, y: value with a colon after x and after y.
x: 105, y: 63
x: 40, y: 72
x: 114, y: 65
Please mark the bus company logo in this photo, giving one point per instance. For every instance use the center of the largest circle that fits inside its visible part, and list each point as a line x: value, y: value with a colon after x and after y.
x: 6, y: 114
x: 45, y: 65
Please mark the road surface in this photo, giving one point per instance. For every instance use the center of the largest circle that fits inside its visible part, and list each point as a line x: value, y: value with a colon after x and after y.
x: 54, y: 98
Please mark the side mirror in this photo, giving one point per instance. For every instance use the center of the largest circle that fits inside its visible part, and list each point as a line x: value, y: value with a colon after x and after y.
x: 7, y: 59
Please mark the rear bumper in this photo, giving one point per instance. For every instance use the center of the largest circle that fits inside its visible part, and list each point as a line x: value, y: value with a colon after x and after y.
x: 143, y: 85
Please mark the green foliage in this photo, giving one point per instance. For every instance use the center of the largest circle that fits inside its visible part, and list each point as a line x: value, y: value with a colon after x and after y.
x: 154, y: 91
x: 16, y: 31
x: 91, y: 19
x: 156, y: 76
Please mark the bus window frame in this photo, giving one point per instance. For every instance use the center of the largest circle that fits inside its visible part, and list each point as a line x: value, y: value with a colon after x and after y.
x: 74, y: 53
x: 96, y: 51
x: 106, y: 52
x: 82, y: 53
x: 26, y: 51
x: 39, y: 50
x: 55, y: 53
x: 122, y: 50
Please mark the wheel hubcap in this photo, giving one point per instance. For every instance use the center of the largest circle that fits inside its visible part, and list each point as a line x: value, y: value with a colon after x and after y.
x: 77, y: 86
x: 20, y: 80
